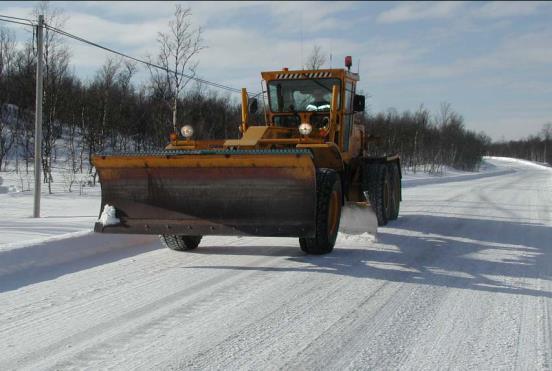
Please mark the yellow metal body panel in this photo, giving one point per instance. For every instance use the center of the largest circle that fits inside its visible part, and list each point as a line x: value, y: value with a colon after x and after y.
x: 250, y: 137
x: 334, y: 113
x: 195, y: 144
x: 203, y: 161
x: 326, y: 155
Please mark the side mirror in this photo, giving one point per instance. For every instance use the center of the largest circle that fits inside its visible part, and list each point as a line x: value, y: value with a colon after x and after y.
x: 359, y: 103
x: 253, y: 105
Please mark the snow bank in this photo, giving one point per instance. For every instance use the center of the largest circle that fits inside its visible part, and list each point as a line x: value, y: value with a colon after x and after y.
x: 509, y: 160
x: 487, y: 169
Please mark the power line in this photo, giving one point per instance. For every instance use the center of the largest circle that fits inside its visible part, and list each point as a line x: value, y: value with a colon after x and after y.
x: 12, y: 21
x: 91, y: 43
x: 20, y: 21
x: 30, y: 22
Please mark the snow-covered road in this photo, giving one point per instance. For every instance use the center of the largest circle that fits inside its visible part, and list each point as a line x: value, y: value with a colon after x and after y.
x: 461, y: 280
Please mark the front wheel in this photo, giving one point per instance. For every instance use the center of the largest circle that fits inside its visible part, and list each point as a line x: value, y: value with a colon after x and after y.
x: 328, y: 213
x: 180, y: 243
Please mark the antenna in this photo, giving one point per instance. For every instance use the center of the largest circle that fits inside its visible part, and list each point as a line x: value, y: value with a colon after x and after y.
x: 302, y: 65
x: 358, y: 66
x: 330, y: 54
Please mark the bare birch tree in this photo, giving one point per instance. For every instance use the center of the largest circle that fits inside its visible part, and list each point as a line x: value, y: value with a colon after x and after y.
x: 316, y: 58
x: 177, y: 49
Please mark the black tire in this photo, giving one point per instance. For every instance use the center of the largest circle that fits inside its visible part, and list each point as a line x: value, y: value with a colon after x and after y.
x: 180, y: 243
x: 396, y: 190
x: 328, y: 213
x: 376, y: 181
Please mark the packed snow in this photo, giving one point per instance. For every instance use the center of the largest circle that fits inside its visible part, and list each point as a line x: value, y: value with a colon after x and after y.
x: 461, y: 280
x: 108, y: 216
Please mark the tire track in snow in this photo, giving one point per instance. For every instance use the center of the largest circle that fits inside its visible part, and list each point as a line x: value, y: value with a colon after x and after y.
x: 145, y: 336
x: 256, y: 337
x: 81, y: 294
x: 76, y: 303
x: 100, y: 307
x: 131, y: 316
x: 346, y: 326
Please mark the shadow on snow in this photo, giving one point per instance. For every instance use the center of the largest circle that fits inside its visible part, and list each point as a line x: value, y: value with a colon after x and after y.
x: 461, y: 257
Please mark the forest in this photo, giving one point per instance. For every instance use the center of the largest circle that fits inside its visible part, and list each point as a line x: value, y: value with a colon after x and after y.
x: 536, y: 148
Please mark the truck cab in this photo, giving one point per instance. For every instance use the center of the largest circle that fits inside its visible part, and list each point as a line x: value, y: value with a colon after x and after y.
x: 304, y: 97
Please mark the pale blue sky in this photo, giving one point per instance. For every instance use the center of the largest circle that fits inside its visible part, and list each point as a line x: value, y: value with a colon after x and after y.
x: 491, y: 60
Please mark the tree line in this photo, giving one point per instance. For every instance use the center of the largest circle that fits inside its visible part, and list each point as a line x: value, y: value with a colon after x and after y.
x: 426, y: 141
x: 534, y: 148
x: 111, y: 111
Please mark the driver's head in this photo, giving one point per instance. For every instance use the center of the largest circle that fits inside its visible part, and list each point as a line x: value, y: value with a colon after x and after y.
x: 318, y: 94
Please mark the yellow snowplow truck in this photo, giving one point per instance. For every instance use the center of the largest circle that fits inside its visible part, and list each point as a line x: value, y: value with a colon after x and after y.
x: 288, y: 177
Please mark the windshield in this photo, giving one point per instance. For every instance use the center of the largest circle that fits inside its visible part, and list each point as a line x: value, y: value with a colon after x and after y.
x: 301, y: 95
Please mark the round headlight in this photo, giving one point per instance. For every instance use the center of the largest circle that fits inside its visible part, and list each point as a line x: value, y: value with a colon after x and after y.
x: 187, y: 131
x: 305, y: 128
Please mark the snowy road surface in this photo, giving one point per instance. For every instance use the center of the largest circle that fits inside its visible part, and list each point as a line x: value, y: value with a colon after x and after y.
x: 461, y: 280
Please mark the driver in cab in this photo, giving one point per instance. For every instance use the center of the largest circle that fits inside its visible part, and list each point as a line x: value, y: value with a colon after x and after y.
x: 320, y: 101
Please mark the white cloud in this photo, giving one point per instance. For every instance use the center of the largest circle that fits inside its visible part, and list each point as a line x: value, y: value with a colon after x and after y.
x: 384, y: 60
x: 415, y: 11
x: 126, y: 9
x: 310, y: 16
x: 503, y: 9
x: 20, y: 12
x: 242, y: 47
x: 391, y: 62
x: 104, y: 31
x: 528, y: 50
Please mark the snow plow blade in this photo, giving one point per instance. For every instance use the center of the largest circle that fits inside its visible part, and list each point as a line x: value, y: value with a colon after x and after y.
x: 210, y: 192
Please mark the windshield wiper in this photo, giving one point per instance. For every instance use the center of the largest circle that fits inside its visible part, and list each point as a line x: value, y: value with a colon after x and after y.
x: 322, y: 85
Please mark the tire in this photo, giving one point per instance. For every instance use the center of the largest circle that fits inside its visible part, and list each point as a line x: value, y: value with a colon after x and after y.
x: 180, y: 243
x: 396, y: 190
x: 328, y: 213
x: 376, y: 181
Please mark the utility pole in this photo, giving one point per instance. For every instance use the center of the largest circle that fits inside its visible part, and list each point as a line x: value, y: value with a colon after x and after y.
x: 38, y: 115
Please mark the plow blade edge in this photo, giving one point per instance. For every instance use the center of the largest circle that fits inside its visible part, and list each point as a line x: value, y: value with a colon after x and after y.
x: 210, y: 192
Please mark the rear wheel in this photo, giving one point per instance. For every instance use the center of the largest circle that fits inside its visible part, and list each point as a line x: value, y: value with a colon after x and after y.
x: 328, y: 213
x: 379, y: 190
x: 180, y: 243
